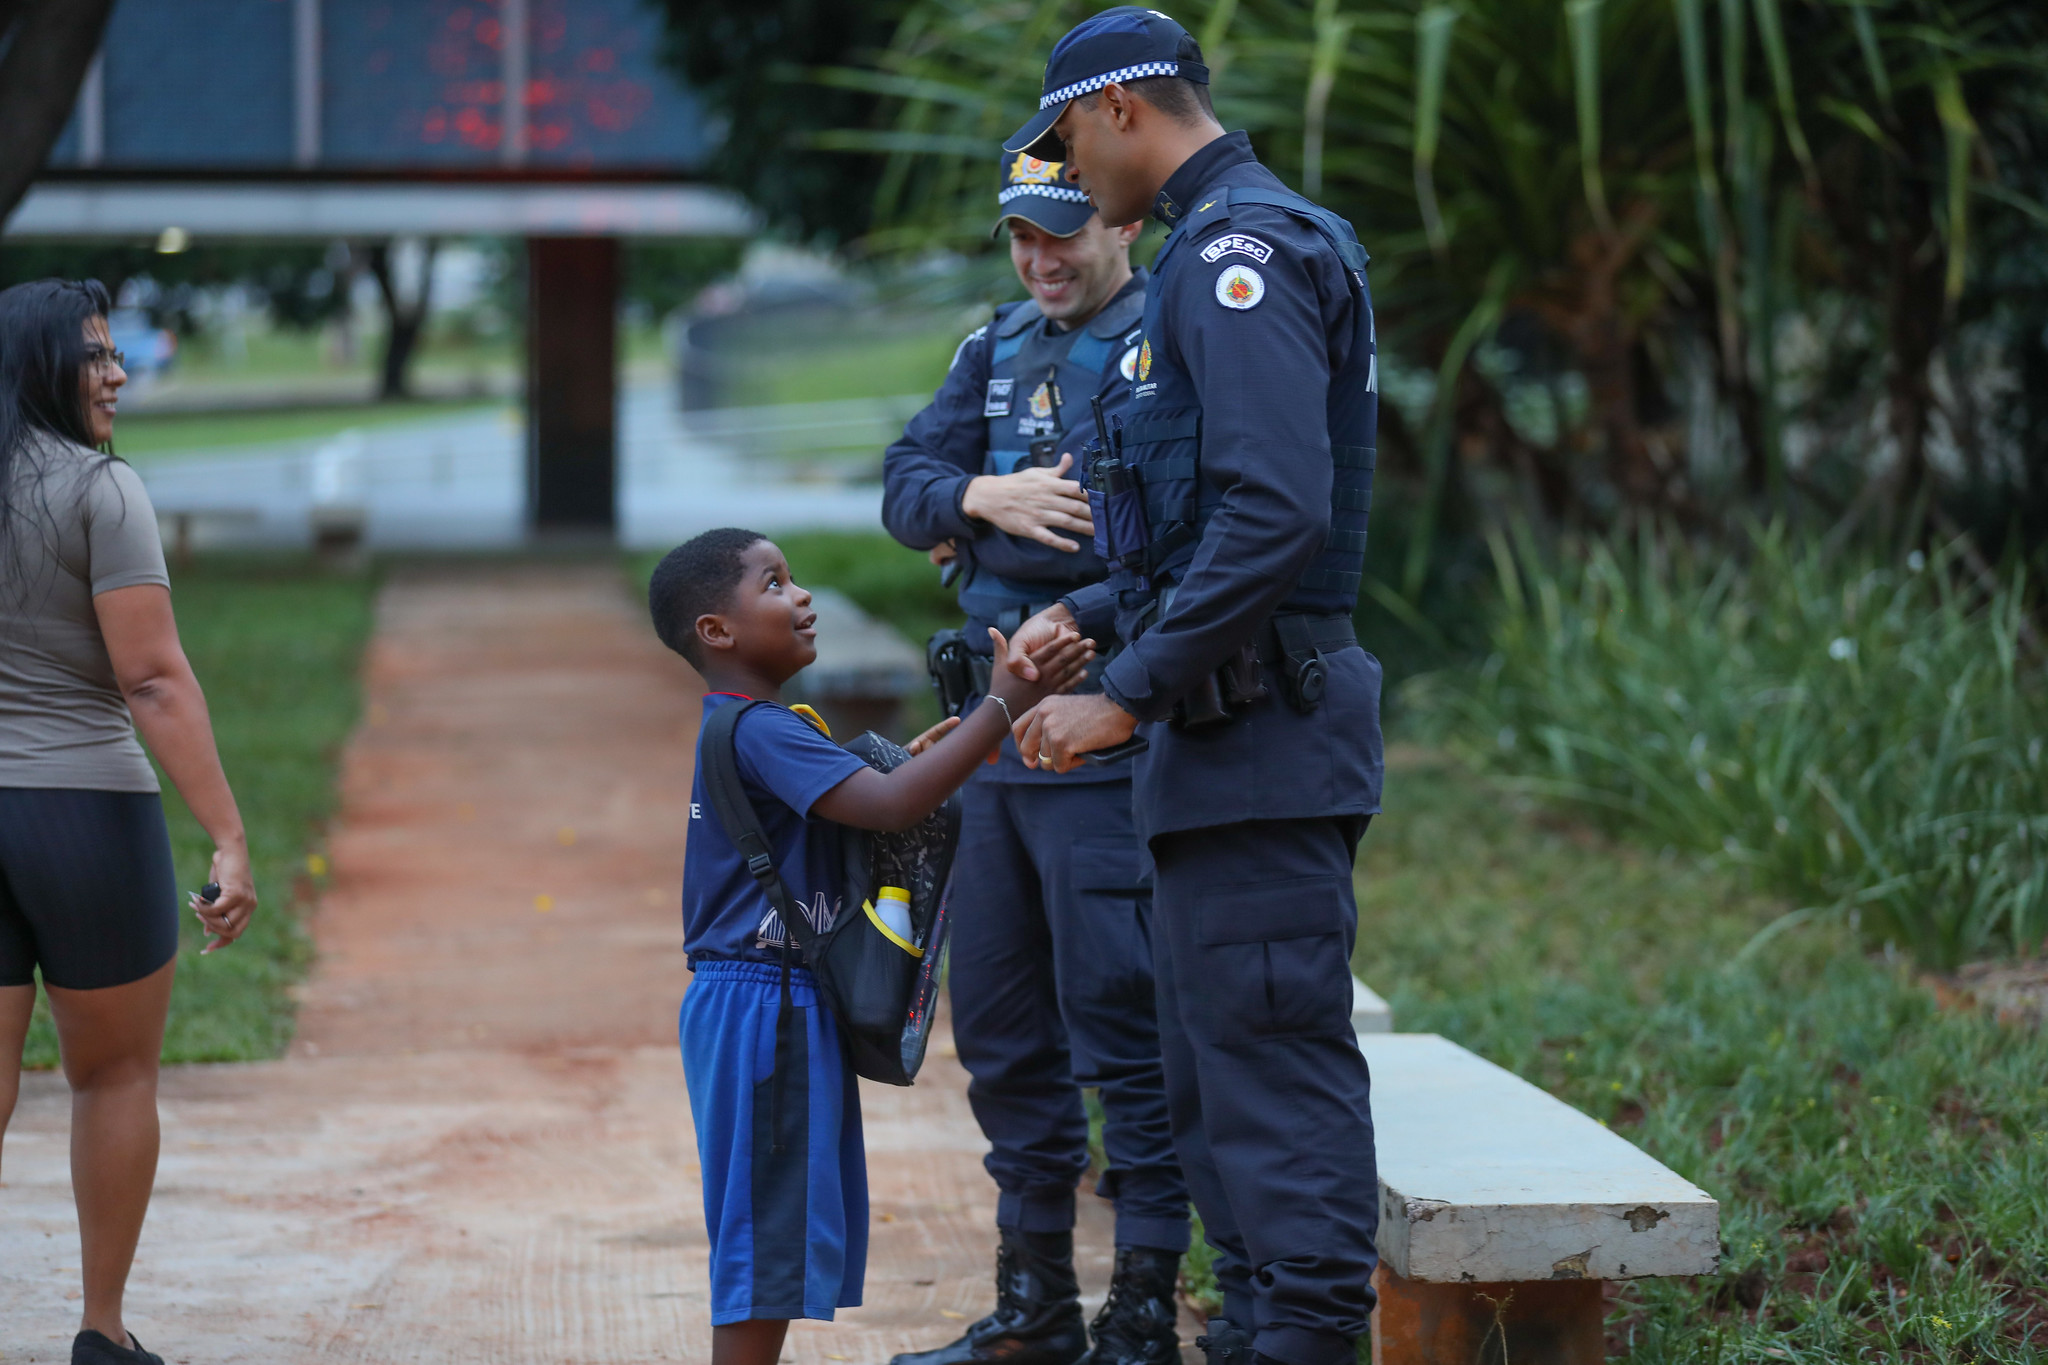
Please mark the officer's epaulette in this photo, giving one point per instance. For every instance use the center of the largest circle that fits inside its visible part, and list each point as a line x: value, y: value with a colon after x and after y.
x: 1012, y: 318
x: 1212, y: 212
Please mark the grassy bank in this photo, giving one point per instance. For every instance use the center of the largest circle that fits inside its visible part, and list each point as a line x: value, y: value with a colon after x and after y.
x: 1866, y: 737
x: 276, y: 646
x: 1882, y: 1163
x: 150, y: 435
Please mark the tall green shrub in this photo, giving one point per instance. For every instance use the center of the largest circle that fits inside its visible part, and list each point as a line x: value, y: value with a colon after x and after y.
x: 1868, y: 737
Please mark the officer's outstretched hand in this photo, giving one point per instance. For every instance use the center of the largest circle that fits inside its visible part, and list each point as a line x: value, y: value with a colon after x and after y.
x: 1035, y: 502
x: 1061, y: 729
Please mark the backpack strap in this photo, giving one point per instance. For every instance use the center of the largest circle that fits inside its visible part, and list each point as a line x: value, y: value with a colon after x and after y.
x: 718, y: 751
x: 718, y: 754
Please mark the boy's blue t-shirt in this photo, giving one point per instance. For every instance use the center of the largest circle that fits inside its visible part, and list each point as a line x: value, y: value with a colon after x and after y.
x: 786, y: 764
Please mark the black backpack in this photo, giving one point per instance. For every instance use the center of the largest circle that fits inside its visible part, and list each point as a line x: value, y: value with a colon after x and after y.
x: 880, y: 993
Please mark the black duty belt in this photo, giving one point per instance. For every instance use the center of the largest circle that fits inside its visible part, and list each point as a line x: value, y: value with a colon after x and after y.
x: 1325, y: 633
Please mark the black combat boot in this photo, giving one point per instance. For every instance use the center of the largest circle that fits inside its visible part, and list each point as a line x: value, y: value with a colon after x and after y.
x: 1226, y: 1343
x: 1136, y: 1324
x: 1038, y: 1309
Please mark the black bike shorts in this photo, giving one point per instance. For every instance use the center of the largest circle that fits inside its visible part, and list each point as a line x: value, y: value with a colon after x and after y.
x: 86, y: 888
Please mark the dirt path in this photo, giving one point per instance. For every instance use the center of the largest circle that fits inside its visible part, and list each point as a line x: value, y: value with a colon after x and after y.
x: 479, y: 1148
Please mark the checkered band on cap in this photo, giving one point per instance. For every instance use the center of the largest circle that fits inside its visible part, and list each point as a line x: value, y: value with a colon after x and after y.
x: 1047, y: 191
x: 1116, y: 77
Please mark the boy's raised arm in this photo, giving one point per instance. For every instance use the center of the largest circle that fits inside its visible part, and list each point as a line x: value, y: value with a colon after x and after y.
x: 899, y: 799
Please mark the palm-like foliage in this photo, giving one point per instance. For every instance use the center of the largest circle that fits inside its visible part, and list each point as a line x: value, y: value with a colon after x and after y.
x: 1596, y: 197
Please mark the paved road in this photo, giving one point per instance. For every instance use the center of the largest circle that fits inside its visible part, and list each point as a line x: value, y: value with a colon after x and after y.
x: 459, y: 482
x: 478, y: 1147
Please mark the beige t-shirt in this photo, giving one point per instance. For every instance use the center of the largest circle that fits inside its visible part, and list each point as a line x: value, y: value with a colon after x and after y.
x: 81, y: 525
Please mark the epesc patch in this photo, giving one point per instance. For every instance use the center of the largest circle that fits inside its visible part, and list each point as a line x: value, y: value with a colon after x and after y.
x: 1241, y: 243
x: 1240, y: 287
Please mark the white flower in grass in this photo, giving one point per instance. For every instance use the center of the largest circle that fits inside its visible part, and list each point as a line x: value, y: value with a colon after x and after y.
x: 1842, y: 649
x: 1916, y: 561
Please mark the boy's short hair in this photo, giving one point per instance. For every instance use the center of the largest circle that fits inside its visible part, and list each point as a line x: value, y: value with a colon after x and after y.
x: 695, y: 579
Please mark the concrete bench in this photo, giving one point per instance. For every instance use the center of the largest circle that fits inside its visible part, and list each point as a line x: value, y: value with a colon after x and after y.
x: 864, y: 671
x: 1502, y: 1209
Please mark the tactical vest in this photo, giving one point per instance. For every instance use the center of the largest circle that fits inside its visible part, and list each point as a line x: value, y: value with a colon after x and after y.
x: 1040, y: 384
x: 1163, y: 445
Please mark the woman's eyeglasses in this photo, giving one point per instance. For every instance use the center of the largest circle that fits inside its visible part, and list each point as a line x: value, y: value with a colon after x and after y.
x: 100, y: 358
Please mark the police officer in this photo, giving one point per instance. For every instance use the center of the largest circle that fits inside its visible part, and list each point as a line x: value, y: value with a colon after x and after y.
x: 1051, y: 969
x: 1248, y: 448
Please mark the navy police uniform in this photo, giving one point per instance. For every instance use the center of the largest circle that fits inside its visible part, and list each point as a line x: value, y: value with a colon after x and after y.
x: 1249, y: 441
x: 1051, y: 966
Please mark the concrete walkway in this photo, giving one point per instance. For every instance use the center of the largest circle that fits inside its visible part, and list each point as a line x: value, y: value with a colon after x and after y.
x: 479, y: 1147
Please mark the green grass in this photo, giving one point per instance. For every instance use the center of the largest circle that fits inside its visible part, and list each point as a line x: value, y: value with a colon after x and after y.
x: 275, y: 645
x: 1866, y: 736
x: 1882, y: 1164
x: 882, y: 360
x: 142, y: 435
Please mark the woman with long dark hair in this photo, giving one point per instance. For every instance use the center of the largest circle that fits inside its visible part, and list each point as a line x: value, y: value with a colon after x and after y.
x: 89, y: 654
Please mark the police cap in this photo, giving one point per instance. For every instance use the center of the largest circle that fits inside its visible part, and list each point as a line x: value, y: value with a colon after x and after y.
x: 1042, y: 193
x: 1116, y: 46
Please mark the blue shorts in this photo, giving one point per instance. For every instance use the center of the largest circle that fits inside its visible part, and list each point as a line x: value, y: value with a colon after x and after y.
x: 789, y: 1229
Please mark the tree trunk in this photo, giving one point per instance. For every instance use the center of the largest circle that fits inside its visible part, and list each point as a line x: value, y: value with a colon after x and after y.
x: 404, y: 318
x: 53, y: 42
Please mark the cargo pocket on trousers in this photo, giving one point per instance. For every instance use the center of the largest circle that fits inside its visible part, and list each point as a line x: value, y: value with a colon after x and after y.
x: 1113, y: 904
x: 1272, y: 961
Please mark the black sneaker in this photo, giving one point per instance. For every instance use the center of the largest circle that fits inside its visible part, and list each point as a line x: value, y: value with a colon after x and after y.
x: 94, y: 1348
x: 1038, y: 1309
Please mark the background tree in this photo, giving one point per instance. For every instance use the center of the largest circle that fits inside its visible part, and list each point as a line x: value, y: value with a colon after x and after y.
x: 749, y: 62
x: 48, y: 46
x: 405, y: 311
x: 1634, y: 258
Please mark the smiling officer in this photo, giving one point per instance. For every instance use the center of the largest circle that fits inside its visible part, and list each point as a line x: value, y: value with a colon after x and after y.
x: 1051, y: 968
x: 1236, y: 513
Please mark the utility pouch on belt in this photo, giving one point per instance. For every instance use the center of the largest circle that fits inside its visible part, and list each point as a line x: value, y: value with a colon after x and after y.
x: 958, y: 674
x: 1218, y: 698
x: 1296, y: 642
x: 1115, y: 503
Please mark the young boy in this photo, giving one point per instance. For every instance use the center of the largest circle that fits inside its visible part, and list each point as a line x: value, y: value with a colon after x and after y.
x: 787, y: 1220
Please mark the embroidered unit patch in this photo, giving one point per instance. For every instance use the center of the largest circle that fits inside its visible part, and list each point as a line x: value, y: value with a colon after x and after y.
x: 1041, y: 402
x: 997, y: 404
x: 1128, y: 366
x: 1030, y: 170
x: 1239, y: 287
x: 1145, y: 359
x: 1239, y: 243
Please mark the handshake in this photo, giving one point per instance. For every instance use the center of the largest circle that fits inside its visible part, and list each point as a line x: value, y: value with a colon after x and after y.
x: 1047, y: 659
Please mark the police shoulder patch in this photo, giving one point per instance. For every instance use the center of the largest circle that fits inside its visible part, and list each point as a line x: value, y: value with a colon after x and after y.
x: 1241, y: 243
x: 1128, y: 366
x: 1240, y: 287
